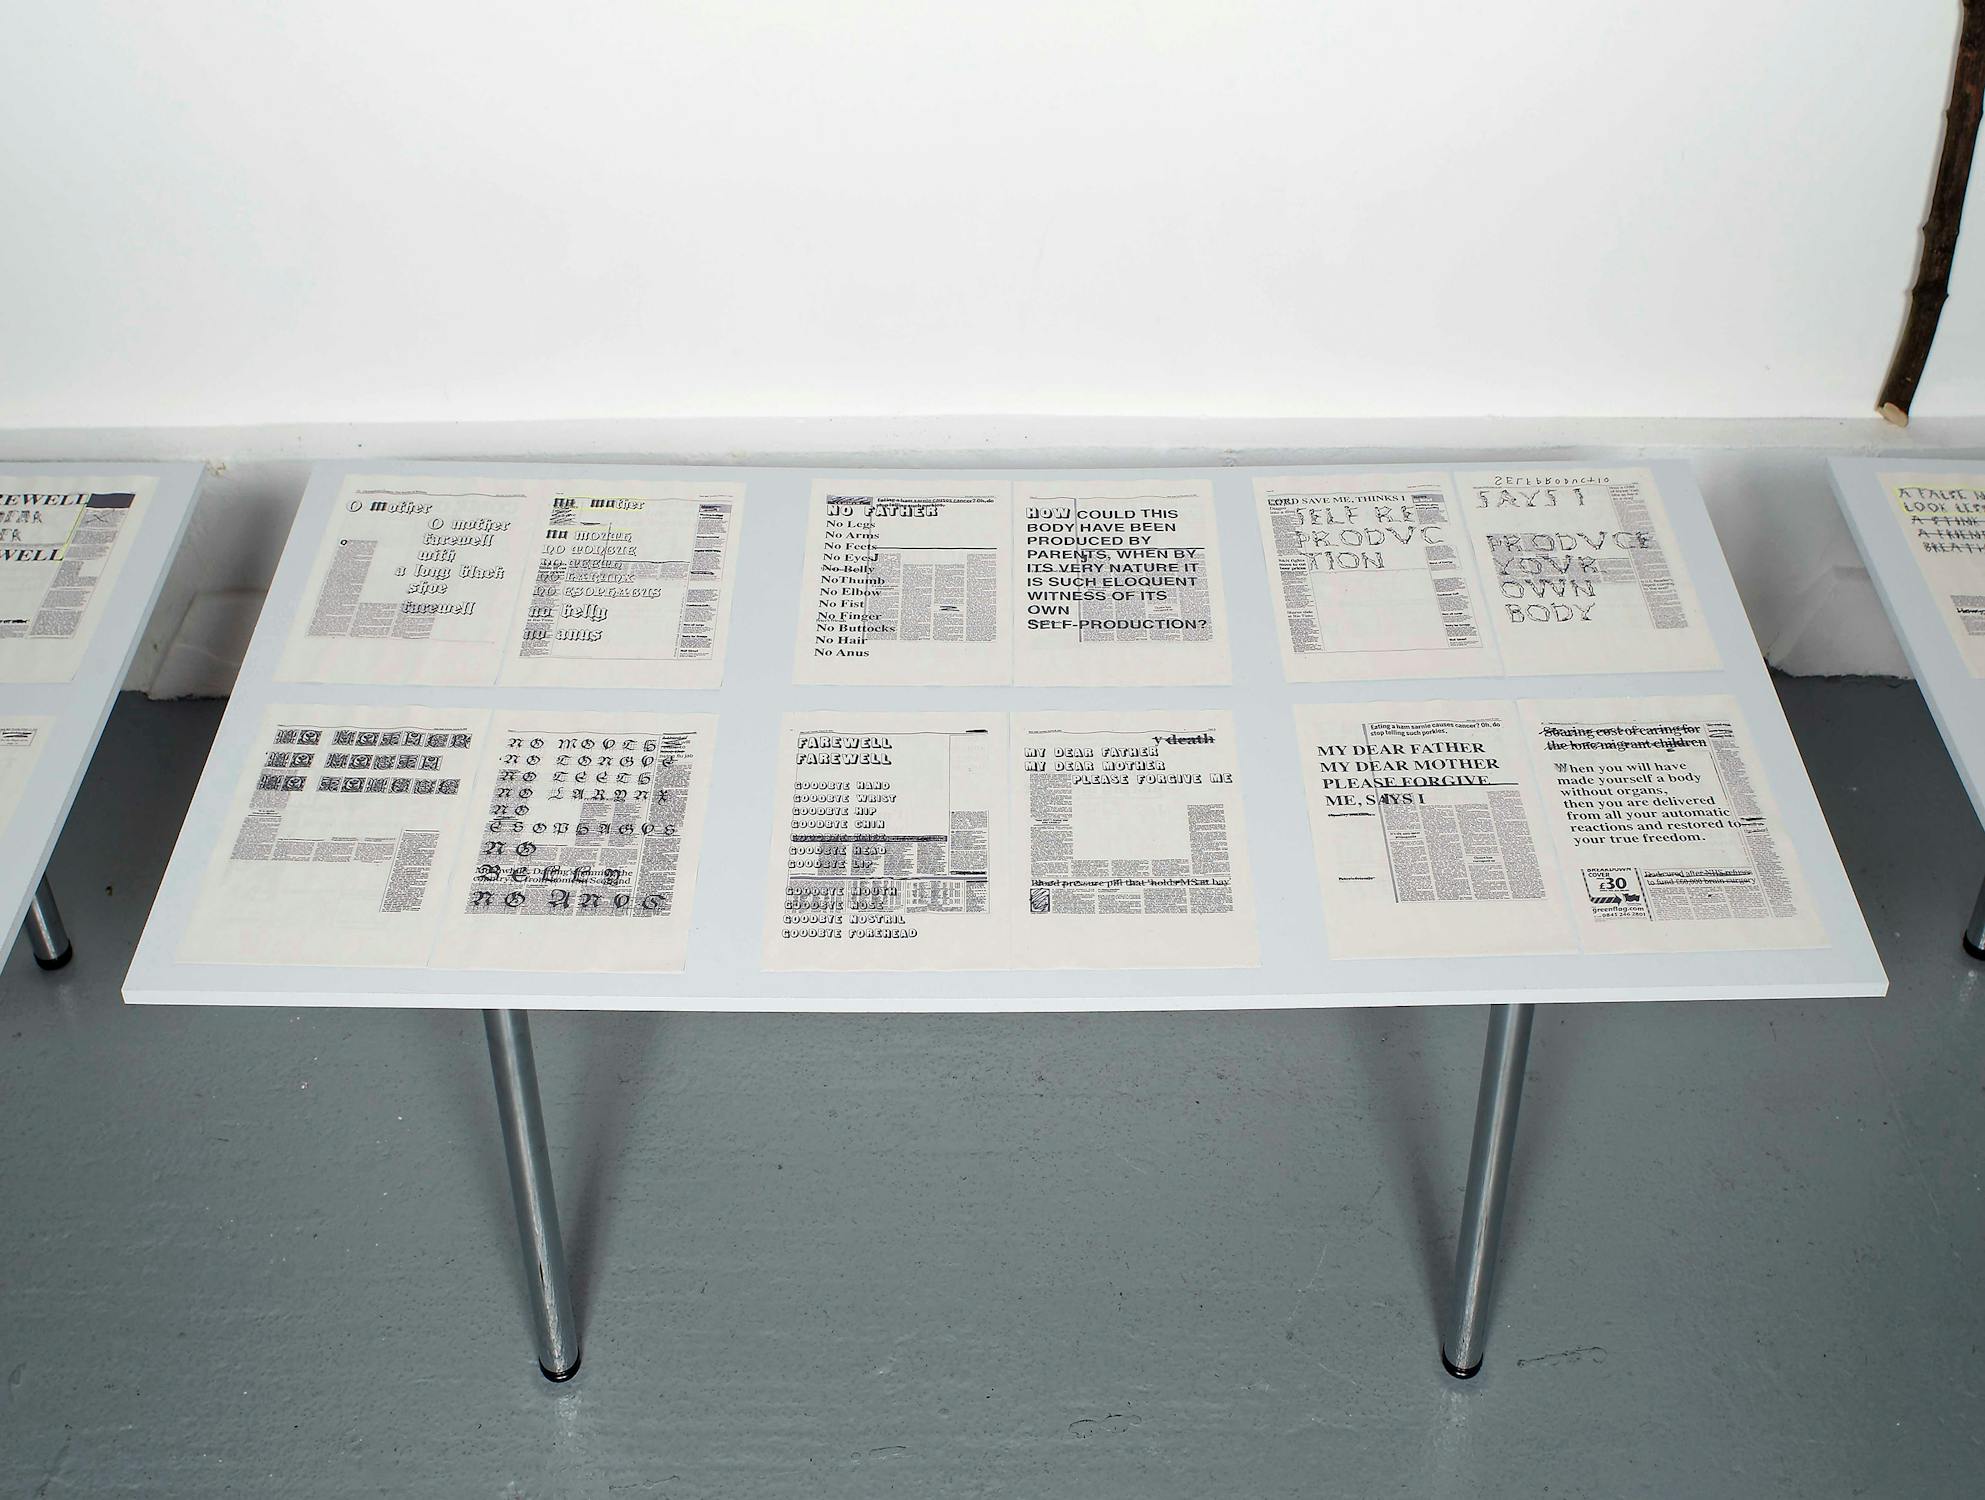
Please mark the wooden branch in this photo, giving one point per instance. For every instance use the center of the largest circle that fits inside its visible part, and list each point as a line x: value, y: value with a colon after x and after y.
x: 1933, y: 270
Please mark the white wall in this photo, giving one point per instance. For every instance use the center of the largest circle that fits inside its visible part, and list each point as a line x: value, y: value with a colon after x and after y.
x: 221, y: 212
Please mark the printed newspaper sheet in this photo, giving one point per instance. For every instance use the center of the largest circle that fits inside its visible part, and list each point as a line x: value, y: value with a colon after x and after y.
x: 1499, y: 573
x: 1943, y: 515
x: 1136, y: 847
x: 1119, y: 584
x: 1374, y: 577
x: 892, y: 851
x: 906, y: 584
x: 954, y: 841
x: 542, y: 583
x: 989, y: 582
x: 1593, y: 825
x: 22, y: 738
x: 1583, y: 572
x: 460, y: 839
x: 62, y: 547
x: 1667, y: 832
x: 1429, y: 831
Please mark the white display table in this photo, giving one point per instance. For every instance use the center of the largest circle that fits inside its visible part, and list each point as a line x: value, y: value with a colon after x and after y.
x: 291, y: 678
x: 724, y: 969
x: 84, y: 550
x: 1913, y: 518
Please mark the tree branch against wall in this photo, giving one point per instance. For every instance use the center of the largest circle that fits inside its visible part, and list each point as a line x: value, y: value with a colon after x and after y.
x: 1940, y: 225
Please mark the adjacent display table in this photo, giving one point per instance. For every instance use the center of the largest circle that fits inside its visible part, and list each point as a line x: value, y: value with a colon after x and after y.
x: 84, y: 550
x: 517, y: 735
x: 1920, y: 525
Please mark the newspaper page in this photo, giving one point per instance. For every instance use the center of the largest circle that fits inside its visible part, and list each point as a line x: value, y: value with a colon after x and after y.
x: 586, y: 852
x: 984, y: 583
x: 1943, y: 515
x: 1119, y: 584
x: 630, y: 587
x: 906, y: 583
x: 1583, y: 573
x: 61, y: 550
x: 1669, y: 836
x: 891, y: 847
x: 1136, y: 847
x: 458, y: 839
x: 1374, y: 577
x: 441, y: 582
x: 22, y: 739
x: 1429, y: 833
x: 415, y: 581
x: 335, y: 848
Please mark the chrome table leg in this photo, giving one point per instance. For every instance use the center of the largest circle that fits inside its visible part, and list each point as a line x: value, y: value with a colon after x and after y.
x: 1503, y: 1058
x: 517, y: 1103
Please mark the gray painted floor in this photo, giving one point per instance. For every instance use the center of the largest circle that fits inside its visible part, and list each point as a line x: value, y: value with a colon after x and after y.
x: 269, y: 1253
